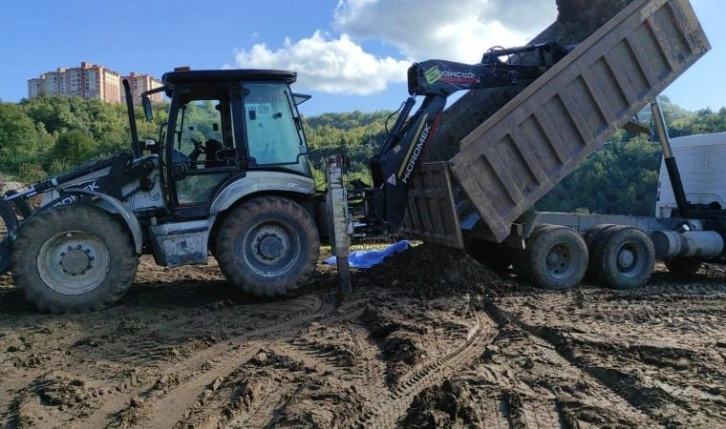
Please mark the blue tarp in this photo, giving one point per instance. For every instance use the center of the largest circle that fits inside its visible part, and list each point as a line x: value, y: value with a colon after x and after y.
x: 370, y: 258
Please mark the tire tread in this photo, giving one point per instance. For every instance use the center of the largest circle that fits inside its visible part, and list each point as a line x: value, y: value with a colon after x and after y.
x: 41, y: 226
x: 237, y: 221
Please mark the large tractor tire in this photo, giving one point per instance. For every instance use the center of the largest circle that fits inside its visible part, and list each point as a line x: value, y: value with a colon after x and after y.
x: 623, y: 257
x: 556, y: 258
x: 73, y: 259
x: 268, y: 246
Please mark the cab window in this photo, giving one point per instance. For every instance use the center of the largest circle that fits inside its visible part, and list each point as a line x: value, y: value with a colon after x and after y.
x: 273, y: 132
x: 204, y: 145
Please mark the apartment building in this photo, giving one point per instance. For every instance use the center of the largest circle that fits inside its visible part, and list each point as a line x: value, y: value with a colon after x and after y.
x: 91, y: 81
x: 140, y: 83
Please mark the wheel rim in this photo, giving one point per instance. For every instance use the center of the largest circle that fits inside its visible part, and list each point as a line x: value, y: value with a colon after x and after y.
x: 629, y: 259
x: 270, y: 248
x: 560, y: 261
x: 73, y: 262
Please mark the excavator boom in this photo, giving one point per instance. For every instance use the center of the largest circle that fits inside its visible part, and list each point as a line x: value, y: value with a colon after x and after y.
x: 394, y: 167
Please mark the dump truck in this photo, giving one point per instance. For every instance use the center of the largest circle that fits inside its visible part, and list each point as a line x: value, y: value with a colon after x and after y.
x: 482, y: 198
x: 229, y: 174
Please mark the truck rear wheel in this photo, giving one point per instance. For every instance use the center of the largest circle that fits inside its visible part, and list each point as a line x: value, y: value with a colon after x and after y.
x: 73, y: 259
x: 595, y: 238
x: 556, y: 258
x: 623, y: 258
x: 268, y: 246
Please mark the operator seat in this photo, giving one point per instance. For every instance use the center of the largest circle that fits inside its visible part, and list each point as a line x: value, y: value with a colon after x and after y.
x: 213, y: 153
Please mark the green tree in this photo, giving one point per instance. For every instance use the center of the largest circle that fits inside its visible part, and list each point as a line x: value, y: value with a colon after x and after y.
x: 72, y: 148
x: 20, y: 141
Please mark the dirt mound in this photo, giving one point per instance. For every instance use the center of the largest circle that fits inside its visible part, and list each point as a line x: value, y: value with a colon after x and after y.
x: 432, y: 271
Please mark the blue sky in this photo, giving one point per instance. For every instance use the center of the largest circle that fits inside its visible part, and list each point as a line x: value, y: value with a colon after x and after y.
x: 350, y: 54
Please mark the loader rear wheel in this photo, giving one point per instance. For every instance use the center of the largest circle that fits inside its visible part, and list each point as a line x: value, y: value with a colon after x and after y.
x: 556, y: 258
x: 624, y: 258
x: 73, y: 259
x: 268, y: 246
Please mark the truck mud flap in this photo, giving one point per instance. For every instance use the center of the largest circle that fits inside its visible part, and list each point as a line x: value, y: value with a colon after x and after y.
x: 430, y: 211
x: 7, y: 232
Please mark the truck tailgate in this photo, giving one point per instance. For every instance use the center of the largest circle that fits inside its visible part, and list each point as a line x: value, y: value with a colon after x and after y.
x: 510, y: 161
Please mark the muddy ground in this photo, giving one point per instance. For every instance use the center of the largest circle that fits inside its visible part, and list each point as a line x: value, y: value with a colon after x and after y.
x: 429, y: 339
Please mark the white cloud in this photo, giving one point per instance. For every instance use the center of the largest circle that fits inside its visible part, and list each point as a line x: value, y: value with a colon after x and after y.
x: 337, y: 66
x: 457, y: 30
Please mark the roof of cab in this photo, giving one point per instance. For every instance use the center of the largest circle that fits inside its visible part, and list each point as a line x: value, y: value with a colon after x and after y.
x: 231, y: 75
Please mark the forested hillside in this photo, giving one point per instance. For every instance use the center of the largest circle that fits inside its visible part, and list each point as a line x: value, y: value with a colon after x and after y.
x: 48, y: 135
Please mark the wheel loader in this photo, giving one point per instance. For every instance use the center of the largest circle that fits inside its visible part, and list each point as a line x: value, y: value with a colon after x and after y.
x: 228, y: 176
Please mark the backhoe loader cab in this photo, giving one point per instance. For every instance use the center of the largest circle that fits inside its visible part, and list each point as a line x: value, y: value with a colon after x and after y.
x: 229, y: 176
x: 223, y: 123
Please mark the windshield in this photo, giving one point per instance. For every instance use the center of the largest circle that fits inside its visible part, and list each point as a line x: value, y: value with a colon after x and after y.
x: 274, y: 132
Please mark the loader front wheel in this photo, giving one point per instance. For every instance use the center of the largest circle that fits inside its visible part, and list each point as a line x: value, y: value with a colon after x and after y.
x: 73, y: 259
x: 268, y: 246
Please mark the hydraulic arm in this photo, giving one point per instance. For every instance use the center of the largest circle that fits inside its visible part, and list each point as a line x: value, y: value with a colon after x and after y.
x: 401, y: 152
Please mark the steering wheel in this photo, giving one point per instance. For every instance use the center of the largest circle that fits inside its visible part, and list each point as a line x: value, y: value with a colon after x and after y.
x: 198, y: 149
x: 197, y: 144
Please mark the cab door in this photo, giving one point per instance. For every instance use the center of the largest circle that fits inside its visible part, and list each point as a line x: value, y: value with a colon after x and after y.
x: 203, y: 148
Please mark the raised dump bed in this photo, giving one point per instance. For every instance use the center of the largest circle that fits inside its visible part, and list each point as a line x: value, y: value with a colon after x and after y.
x: 516, y: 156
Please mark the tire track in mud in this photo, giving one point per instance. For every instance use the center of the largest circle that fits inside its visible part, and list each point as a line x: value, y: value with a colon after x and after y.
x: 181, y: 399
x: 259, y: 416
x: 492, y: 411
x: 388, y: 409
x: 504, y: 410
x: 652, y: 379
x: 14, y: 390
x: 362, y: 365
x: 252, y: 409
x: 556, y: 347
x: 180, y: 383
x: 534, y: 413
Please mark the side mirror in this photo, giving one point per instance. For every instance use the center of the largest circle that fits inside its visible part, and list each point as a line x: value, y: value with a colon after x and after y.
x: 146, y: 103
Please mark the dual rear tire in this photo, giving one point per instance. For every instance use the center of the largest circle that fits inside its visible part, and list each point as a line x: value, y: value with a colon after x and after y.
x: 622, y: 257
x: 616, y: 256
